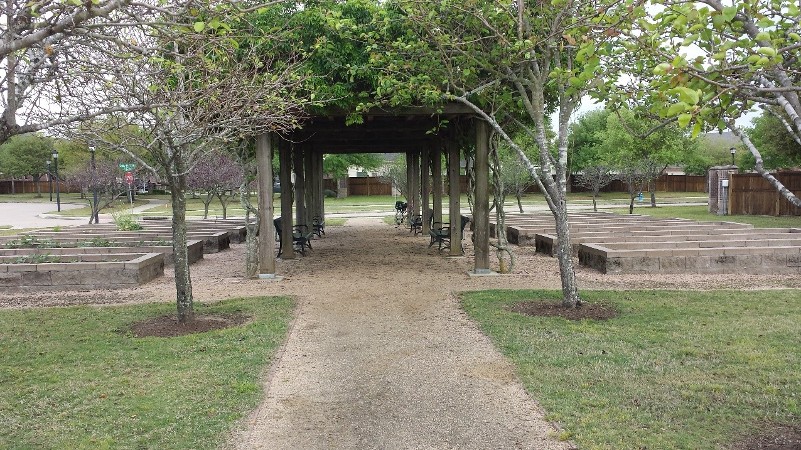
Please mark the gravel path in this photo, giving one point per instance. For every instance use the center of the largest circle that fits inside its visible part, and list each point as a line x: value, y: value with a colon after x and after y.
x: 379, y: 354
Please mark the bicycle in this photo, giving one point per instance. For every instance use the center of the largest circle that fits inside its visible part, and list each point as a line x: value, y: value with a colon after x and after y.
x: 400, y: 213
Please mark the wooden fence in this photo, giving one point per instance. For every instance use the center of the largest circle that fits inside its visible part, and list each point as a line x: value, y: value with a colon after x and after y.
x: 749, y: 193
x: 681, y: 183
x: 29, y: 187
x: 368, y: 186
x: 665, y: 183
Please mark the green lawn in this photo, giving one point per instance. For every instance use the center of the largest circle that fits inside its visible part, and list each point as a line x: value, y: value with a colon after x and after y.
x: 674, y: 370
x: 702, y: 213
x: 120, y: 206
x: 74, y: 378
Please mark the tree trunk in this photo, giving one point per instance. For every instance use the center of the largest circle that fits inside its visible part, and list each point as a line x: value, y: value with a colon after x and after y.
x: 251, y: 239
x: 183, y: 280
x: 520, y: 203
x: 631, y: 204
x: 224, y: 204
x: 206, y: 203
x: 594, y: 202
x: 652, y: 191
x: 570, y: 295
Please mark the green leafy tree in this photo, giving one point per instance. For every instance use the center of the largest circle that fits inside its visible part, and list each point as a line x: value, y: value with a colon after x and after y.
x: 26, y: 155
x: 337, y: 165
x: 512, y: 64
x: 585, y: 140
x: 204, y: 82
x: 647, y: 144
x: 777, y: 146
x: 704, y: 64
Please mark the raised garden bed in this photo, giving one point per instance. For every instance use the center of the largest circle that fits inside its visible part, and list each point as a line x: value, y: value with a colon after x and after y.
x: 213, y: 242
x: 85, y: 271
x: 751, y: 260
x: 195, y: 250
x: 546, y: 243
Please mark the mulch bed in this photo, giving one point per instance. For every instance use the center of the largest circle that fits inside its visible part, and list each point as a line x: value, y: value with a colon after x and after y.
x: 594, y: 311
x: 168, y: 326
x: 779, y: 437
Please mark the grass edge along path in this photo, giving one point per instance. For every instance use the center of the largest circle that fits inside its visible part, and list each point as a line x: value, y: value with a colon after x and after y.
x: 701, y: 213
x: 77, y: 378
x: 675, y: 369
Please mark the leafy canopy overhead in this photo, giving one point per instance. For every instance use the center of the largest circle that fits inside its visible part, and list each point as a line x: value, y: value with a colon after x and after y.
x: 707, y: 63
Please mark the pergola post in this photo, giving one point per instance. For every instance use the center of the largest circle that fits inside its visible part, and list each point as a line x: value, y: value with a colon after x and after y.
x: 315, y: 185
x: 454, y: 193
x: 319, y: 174
x: 481, y: 207
x: 300, y: 186
x: 415, y: 187
x: 409, y: 186
x: 425, y: 187
x: 287, y: 249
x: 436, y: 168
x: 264, y: 166
x: 308, y: 176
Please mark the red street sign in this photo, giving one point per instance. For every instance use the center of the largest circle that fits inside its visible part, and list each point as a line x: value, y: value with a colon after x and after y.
x: 129, y: 177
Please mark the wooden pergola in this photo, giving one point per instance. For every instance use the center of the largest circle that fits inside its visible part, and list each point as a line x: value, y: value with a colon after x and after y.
x: 423, y: 134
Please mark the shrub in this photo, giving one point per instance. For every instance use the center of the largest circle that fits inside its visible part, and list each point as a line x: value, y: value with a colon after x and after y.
x: 126, y: 222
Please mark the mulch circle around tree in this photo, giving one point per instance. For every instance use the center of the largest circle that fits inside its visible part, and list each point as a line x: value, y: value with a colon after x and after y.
x: 168, y: 326
x: 543, y: 308
x: 781, y: 437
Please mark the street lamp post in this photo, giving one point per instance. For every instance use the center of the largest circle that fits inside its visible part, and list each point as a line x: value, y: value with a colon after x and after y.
x: 96, y: 207
x: 58, y: 187
x: 49, y: 179
x: 733, y: 151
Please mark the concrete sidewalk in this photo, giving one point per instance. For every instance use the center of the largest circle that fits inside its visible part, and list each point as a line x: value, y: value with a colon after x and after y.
x: 34, y: 214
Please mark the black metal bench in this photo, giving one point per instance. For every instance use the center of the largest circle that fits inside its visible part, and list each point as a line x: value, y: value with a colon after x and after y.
x: 416, y: 224
x: 318, y: 226
x: 301, y: 237
x: 441, y: 232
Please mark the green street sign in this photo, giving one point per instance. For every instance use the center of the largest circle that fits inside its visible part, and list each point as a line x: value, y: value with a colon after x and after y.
x: 127, y: 167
